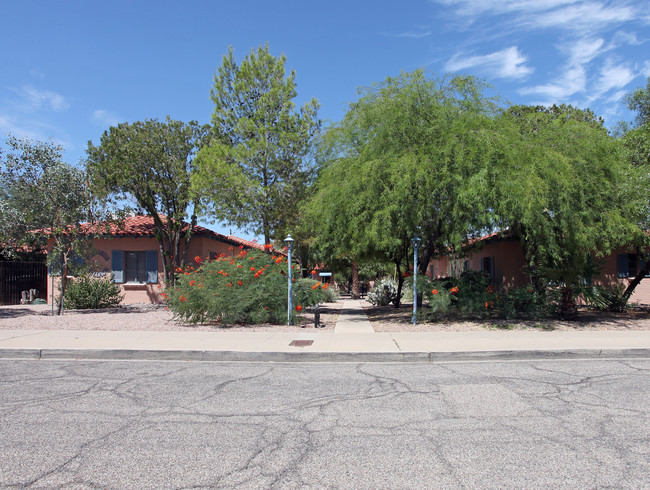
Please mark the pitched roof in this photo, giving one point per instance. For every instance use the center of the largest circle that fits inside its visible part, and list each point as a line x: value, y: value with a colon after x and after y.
x: 143, y: 226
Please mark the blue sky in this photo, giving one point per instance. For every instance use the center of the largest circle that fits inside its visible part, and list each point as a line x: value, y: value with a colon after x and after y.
x: 70, y: 69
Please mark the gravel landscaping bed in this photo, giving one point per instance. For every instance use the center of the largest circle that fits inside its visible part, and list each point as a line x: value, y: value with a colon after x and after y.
x: 142, y: 317
x: 391, y: 319
x: 146, y: 317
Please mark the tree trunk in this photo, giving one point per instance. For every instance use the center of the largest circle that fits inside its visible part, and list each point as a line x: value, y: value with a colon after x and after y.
x: 635, y: 282
x: 568, y: 307
x: 400, y: 284
x: 355, y: 281
x: 64, y: 283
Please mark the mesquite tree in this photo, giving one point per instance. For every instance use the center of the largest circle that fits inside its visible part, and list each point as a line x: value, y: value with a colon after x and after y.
x: 151, y: 163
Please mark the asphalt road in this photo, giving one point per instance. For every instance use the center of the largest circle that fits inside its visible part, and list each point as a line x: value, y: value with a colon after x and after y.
x: 515, y: 424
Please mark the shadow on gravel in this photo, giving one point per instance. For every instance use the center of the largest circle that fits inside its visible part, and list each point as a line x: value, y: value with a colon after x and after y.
x: 111, y: 311
x: 586, y: 319
x: 17, y: 312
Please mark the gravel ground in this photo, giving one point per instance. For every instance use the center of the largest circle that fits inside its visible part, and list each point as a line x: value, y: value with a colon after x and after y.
x: 391, y: 319
x: 140, y: 318
x: 383, y: 319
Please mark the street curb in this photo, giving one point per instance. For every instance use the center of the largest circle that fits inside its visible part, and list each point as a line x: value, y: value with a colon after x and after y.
x: 237, y: 356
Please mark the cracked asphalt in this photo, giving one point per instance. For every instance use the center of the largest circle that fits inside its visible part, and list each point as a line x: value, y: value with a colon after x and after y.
x: 513, y: 424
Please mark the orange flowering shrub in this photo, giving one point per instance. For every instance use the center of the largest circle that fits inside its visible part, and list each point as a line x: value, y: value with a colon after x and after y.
x: 250, y: 287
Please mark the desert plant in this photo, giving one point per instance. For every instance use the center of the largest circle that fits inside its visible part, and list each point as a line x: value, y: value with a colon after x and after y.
x: 384, y: 292
x: 87, y: 292
x: 610, y: 298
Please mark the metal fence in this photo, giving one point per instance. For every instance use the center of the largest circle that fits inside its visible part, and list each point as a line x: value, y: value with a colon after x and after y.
x: 16, y: 277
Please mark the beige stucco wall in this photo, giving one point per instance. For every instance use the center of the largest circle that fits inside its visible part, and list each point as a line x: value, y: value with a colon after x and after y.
x: 145, y: 293
x: 508, y: 261
x: 641, y: 294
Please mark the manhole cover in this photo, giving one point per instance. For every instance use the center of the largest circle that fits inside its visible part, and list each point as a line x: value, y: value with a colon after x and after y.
x: 300, y: 343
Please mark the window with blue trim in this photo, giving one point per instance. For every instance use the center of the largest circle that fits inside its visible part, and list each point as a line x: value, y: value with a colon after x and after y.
x: 135, y: 267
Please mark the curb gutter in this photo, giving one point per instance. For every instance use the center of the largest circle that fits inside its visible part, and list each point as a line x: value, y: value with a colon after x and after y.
x: 238, y: 356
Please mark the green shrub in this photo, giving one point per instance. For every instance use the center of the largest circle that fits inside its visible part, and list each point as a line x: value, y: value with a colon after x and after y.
x: 86, y: 292
x: 472, y: 294
x: 440, y: 301
x: 308, y: 292
x: 610, y: 298
x: 384, y: 292
x: 248, y: 288
x: 522, y: 303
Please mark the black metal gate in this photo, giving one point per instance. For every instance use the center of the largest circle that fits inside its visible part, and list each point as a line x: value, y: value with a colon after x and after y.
x: 16, y: 277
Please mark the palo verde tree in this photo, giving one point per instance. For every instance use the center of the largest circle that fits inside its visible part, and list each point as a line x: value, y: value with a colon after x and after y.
x: 151, y: 162
x: 255, y: 170
x: 409, y: 158
x: 44, y: 199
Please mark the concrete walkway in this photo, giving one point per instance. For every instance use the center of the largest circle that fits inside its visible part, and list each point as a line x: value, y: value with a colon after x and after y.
x: 353, y: 319
x: 353, y: 339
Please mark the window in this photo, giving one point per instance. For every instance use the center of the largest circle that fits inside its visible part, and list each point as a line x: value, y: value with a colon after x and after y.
x: 487, y: 265
x: 135, y: 267
x: 629, y: 265
x: 466, y: 266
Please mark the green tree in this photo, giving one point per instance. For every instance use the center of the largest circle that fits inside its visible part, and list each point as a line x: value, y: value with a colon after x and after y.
x: 410, y: 157
x: 42, y: 198
x: 562, y: 187
x: 636, y: 141
x: 639, y: 101
x: 150, y: 163
x: 255, y: 169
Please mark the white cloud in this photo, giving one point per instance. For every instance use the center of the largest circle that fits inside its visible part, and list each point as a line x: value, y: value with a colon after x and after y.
x: 574, y: 76
x: 622, y: 38
x: 646, y: 69
x: 415, y: 34
x: 614, y: 76
x: 478, y: 7
x: 507, y: 63
x: 38, y: 99
x: 577, y: 16
x: 583, y: 50
x: 616, y: 96
x: 586, y: 15
x: 105, y: 118
x: 573, y: 81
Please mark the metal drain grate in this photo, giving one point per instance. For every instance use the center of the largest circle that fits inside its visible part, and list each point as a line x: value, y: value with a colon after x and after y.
x: 300, y: 343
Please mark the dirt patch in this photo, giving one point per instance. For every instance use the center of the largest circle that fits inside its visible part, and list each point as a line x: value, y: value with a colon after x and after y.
x: 143, y: 318
x: 391, y: 319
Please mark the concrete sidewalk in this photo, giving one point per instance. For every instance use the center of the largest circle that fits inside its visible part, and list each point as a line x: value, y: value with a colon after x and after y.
x: 353, y: 340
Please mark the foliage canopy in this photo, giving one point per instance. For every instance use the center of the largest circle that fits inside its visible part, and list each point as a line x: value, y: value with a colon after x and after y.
x: 254, y: 171
x: 151, y: 162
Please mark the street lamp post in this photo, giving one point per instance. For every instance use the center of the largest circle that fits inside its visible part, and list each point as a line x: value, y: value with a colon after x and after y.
x: 416, y: 244
x: 289, y: 243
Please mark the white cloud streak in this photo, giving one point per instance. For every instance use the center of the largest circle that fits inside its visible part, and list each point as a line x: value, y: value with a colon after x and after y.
x: 47, y: 99
x: 507, y: 63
